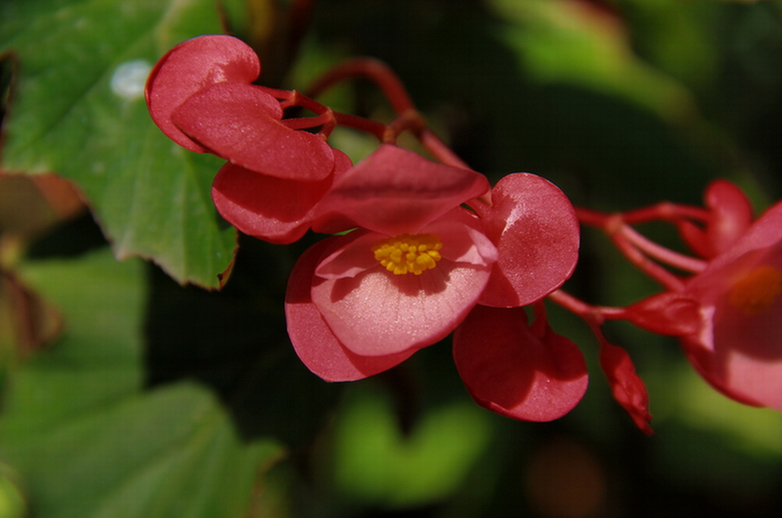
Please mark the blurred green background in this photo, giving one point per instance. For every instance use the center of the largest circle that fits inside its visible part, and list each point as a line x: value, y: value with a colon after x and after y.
x: 134, y: 389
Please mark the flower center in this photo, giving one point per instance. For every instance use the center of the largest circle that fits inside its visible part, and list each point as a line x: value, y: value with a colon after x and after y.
x: 408, y: 254
x: 757, y: 291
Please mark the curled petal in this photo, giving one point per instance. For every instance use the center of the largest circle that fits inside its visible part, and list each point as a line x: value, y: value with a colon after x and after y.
x: 191, y: 66
x: 627, y: 387
x: 729, y: 218
x: 764, y: 233
x: 315, y: 344
x: 240, y: 123
x: 393, y: 191
x: 536, y: 232
x: 731, y: 215
x: 511, y: 371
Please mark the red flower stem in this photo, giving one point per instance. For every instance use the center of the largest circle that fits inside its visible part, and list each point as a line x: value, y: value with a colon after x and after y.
x: 410, y: 120
x: 408, y: 117
x: 374, y: 128
x: 593, y: 218
x: 646, y: 265
x: 593, y: 315
x: 283, y: 95
x: 661, y: 253
x: 635, y: 247
x: 665, y: 211
x: 296, y: 98
x: 310, y: 122
x: 372, y: 69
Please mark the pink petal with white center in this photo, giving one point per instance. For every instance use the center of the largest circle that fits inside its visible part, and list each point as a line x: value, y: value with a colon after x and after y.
x: 394, y: 190
x: 475, y: 248
x: 315, y: 344
x: 376, y: 313
x: 239, y: 122
x: 511, y: 371
x: 352, y: 256
x: 457, y: 230
x: 536, y: 232
x: 191, y: 66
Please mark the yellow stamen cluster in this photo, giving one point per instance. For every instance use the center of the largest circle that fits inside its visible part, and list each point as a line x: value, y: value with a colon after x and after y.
x: 756, y: 292
x: 408, y: 254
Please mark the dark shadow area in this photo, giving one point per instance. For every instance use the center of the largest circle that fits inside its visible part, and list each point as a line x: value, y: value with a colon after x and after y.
x: 235, y: 342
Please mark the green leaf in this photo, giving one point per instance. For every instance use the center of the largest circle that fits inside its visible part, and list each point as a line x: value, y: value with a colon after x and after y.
x: 169, y: 453
x: 84, y: 436
x: 578, y: 44
x: 77, y: 109
x: 375, y: 464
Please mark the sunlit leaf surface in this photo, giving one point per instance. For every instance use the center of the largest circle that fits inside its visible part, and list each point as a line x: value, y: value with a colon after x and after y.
x: 86, y: 438
x: 77, y: 109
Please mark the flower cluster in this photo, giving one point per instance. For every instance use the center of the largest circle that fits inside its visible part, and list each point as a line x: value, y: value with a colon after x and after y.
x: 731, y: 331
x: 725, y: 308
x: 419, y: 249
x: 200, y: 94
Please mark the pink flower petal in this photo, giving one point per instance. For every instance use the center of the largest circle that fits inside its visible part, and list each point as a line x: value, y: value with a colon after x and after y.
x: 393, y: 191
x: 238, y: 122
x: 457, y: 230
x: 471, y: 247
x: 764, y: 233
x: 352, y: 257
x: 191, y: 66
x: 273, y: 209
x: 730, y: 217
x: 510, y: 371
x: 536, y: 232
x: 315, y: 344
x: 738, y: 348
x: 376, y: 313
x: 732, y: 214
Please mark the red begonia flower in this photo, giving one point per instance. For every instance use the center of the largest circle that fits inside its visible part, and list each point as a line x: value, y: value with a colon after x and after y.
x: 375, y: 312
x: 536, y: 232
x: 406, y: 277
x: 739, y: 346
x: 200, y: 95
x: 276, y: 210
x: 192, y: 66
x: 520, y: 372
